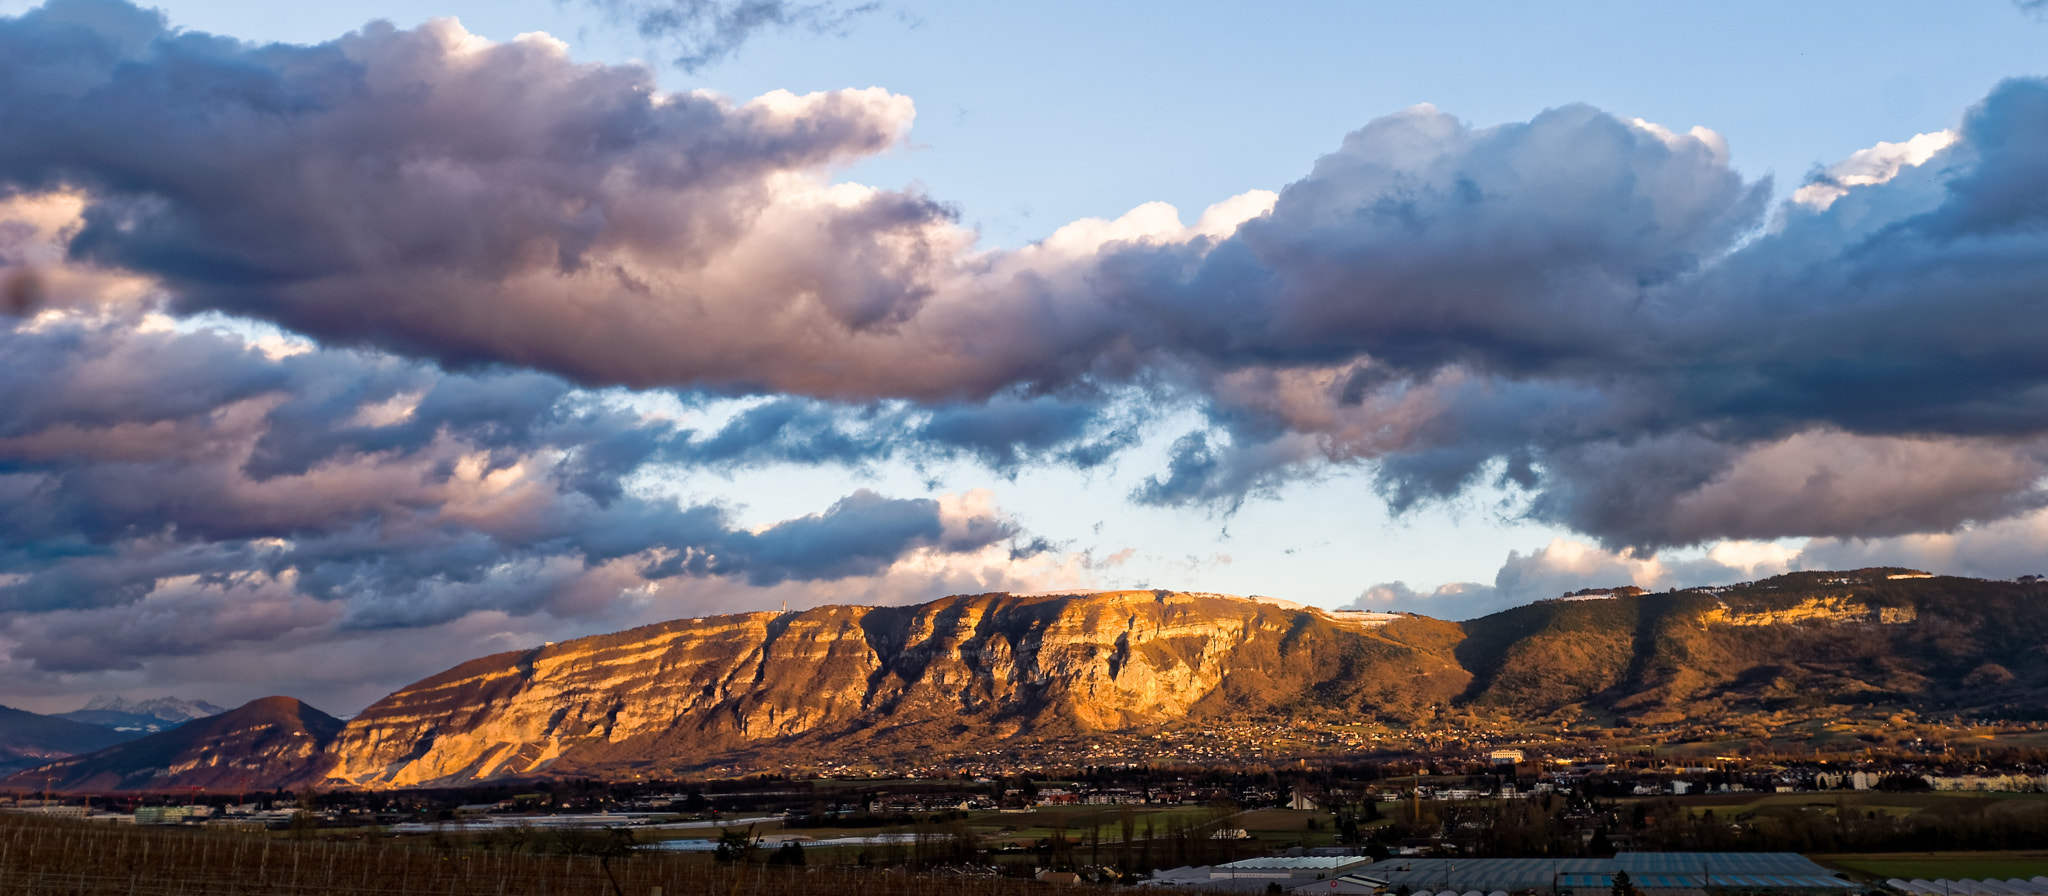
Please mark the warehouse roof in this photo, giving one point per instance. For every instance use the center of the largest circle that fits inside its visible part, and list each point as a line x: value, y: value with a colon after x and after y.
x: 1647, y: 870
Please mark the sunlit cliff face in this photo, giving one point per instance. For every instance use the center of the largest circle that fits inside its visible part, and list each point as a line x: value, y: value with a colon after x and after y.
x: 956, y: 671
x: 1133, y: 673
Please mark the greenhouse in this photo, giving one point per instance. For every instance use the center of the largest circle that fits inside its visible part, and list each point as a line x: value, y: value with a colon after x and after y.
x: 2037, y: 886
x: 1747, y: 872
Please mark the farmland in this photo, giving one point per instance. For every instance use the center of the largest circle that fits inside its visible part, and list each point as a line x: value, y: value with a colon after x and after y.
x: 44, y: 857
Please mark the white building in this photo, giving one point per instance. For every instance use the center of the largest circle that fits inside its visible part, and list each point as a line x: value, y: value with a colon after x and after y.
x: 1289, y: 868
x: 1353, y: 884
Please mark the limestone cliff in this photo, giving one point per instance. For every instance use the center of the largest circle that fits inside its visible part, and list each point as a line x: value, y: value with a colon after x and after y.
x: 1822, y: 609
x: 1047, y: 673
x: 949, y: 673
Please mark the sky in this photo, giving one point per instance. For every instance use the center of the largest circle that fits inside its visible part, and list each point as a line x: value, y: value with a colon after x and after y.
x: 343, y: 342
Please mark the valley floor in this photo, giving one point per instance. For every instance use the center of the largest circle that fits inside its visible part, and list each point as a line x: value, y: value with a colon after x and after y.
x: 46, y: 857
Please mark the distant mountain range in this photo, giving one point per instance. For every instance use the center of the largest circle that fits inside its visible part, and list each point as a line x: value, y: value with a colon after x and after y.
x: 30, y: 739
x: 989, y: 672
x: 275, y: 741
x: 143, y: 716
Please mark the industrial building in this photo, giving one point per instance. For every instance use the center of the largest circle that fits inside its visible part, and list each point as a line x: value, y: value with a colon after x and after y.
x: 1650, y: 872
x: 2037, y: 886
x: 1747, y: 872
x: 1285, y: 868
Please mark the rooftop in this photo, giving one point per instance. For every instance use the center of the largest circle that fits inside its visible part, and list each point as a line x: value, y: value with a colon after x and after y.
x: 1297, y: 863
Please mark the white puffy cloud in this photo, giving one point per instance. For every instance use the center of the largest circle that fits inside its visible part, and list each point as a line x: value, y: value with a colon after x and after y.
x: 2005, y: 549
x: 1874, y: 165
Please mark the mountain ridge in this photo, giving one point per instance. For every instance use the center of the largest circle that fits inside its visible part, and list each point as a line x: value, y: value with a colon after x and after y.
x: 978, y: 674
x: 268, y: 742
x: 144, y: 716
x: 30, y: 739
x: 1008, y: 665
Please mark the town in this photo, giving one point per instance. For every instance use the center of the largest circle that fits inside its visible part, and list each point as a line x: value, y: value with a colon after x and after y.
x: 1173, y: 824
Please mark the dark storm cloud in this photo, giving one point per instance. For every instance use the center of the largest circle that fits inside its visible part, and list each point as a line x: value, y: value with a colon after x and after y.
x: 704, y: 32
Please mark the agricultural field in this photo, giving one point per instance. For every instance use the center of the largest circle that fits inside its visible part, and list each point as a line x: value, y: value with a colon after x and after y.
x: 1026, y: 828
x: 1081, y: 826
x: 1743, y: 805
x: 1078, y: 821
x: 49, y: 856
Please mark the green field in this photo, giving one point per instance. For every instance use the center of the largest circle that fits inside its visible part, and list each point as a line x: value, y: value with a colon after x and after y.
x: 1042, y: 823
x: 1746, y: 805
x: 1079, y: 821
x: 1937, y: 865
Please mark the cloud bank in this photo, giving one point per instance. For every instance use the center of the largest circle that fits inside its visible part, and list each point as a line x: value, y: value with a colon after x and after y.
x: 1596, y: 310
x: 165, y: 491
x: 191, y: 499
x: 2006, y: 549
x: 471, y: 268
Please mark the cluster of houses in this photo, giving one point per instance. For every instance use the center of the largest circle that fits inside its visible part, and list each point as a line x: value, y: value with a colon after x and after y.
x: 247, y: 813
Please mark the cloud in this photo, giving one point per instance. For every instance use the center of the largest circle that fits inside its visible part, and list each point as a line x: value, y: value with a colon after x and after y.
x: 1452, y: 600
x: 1596, y: 313
x: 1005, y: 432
x: 1567, y: 565
x: 169, y: 492
x: 246, y: 641
x: 1860, y: 367
x: 641, y: 238
x: 1561, y: 567
x: 1423, y: 243
x: 700, y: 33
x: 1863, y: 167
x: 2005, y: 549
x: 392, y: 186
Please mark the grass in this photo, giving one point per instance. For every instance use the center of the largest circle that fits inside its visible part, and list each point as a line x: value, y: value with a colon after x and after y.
x: 1281, y: 827
x: 1894, y: 804
x: 881, y: 783
x: 1079, y: 821
x: 1040, y: 824
x: 1289, y: 821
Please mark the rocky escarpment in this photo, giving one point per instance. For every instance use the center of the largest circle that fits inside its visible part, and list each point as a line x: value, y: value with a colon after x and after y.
x: 961, y: 675
x: 950, y: 673
x: 1830, y: 608
x: 1873, y: 637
